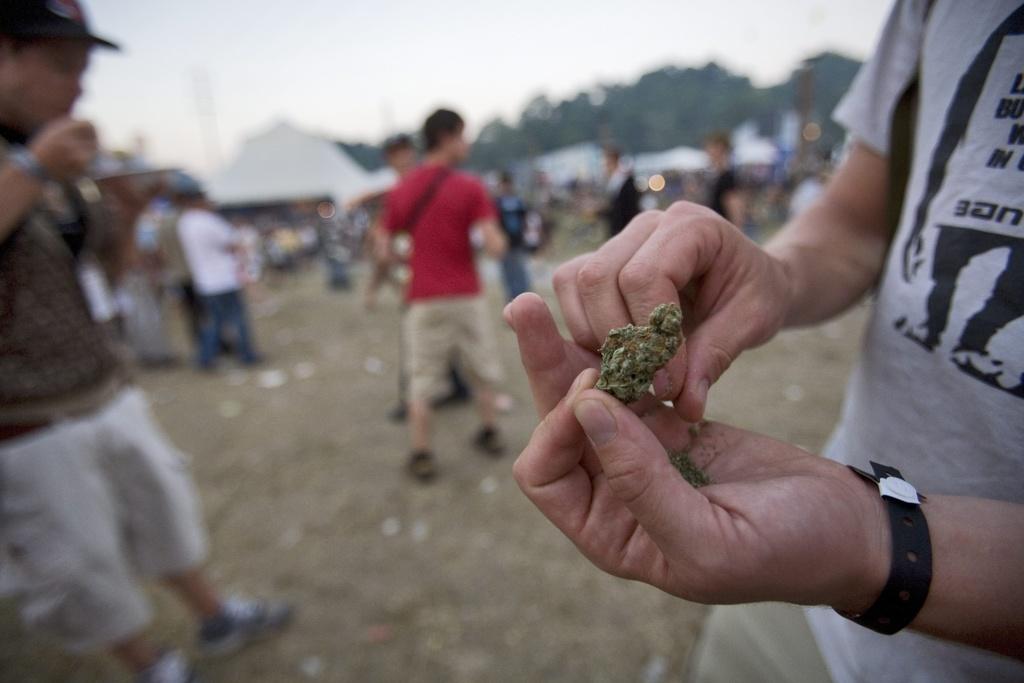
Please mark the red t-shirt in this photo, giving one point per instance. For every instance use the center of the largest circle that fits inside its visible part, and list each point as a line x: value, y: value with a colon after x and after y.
x: 442, y: 257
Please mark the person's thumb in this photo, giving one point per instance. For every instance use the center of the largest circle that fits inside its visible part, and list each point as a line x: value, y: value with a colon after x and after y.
x: 637, y: 468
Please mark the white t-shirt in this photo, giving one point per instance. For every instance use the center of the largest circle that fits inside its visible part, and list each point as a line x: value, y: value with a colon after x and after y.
x: 939, y: 390
x: 207, y: 240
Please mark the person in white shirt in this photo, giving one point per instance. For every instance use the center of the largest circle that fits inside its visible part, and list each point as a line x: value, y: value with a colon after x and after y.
x: 212, y: 248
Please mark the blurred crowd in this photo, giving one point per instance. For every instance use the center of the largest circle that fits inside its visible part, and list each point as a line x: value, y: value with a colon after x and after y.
x: 270, y: 243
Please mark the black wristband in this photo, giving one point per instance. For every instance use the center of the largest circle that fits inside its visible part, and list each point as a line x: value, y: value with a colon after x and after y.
x: 911, y: 573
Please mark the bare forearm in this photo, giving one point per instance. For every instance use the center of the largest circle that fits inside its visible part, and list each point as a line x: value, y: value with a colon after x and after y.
x: 62, y: 149
x: 831, y: 263
x: 976, y: 595
x: 495, y: 242
x: 834, y: 251
x: 497, y: 247
x: 18, y: 193
x: 381, y: 240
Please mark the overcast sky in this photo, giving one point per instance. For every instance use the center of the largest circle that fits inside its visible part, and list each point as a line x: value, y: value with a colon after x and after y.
x: 361, y: 70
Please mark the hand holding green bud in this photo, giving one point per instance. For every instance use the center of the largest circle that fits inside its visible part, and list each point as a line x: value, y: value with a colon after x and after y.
x: 632, y: 354
x: 629, y: 358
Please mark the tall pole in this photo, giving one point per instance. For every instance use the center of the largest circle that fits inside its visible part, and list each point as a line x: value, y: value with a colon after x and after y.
x: 203, y: 93
x: 387, y: 117
x: 805, y: 110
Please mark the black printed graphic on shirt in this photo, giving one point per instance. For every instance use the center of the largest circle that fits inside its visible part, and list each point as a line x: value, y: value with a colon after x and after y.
x: 978, y: 231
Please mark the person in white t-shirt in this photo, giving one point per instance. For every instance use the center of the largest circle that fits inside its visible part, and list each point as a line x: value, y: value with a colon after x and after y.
x: 938, y: 394
x: 212, y: 249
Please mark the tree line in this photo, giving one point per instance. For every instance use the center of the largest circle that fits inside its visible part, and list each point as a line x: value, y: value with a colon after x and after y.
x: 664, y: 108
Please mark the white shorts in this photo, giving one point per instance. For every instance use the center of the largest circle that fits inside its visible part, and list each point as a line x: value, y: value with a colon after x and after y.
x: 441, y: 330
x: 84, y: 506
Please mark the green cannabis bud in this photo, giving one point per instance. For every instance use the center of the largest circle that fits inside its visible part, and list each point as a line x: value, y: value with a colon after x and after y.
x: 691, y: 473
x: 632, y: 354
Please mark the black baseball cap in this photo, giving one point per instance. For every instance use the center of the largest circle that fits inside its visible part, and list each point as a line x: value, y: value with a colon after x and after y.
x: 185, y: 186
x: 47, y: 19
x: 396, y: 142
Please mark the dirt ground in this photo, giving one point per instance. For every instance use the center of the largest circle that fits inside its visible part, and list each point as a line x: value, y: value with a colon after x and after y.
x: 305, y: 498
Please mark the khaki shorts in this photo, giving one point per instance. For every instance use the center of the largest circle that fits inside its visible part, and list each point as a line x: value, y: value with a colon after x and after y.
x: 84, y: 506
x: 439, y: 331
x: 766, y: 641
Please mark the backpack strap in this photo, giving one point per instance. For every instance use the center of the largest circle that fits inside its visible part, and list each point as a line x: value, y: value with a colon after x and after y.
x: 424, y: 199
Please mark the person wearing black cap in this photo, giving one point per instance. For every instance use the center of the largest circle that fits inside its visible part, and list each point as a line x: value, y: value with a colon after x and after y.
x: 91, y: 490
x: 212, y: 249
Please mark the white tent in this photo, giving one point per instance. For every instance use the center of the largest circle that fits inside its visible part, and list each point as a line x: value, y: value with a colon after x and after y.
x: 286, y: 164
x: 377, y: 183
x: 755, y: 152
x: 577, y: 162
x: 675, y: 159
x: 750, y: 149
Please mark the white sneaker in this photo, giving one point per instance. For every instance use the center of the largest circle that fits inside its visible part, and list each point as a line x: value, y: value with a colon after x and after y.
x: 242, y: 622
x: 170, y: 668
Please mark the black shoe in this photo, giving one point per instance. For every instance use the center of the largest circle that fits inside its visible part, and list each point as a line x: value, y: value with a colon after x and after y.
x: 488, y: 440
x: 398, y: 413
x: 422, y: 466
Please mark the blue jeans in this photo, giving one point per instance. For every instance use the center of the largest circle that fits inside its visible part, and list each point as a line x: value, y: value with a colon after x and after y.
x: 224, y: 310
x: 515, y: 273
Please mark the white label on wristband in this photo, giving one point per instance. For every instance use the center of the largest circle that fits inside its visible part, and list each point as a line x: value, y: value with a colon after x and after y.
x: 894, y: 487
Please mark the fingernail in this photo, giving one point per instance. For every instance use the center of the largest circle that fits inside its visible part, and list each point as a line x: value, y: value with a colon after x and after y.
x: 576, y: 384
x: 597, y: 422
x: 702, y: 392
x: 662, y: 384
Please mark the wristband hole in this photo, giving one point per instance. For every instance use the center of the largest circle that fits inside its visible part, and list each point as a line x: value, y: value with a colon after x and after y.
x: 904, y: 596
x: 884, y: 620
x: 907, y: 521
x: 912, y: 556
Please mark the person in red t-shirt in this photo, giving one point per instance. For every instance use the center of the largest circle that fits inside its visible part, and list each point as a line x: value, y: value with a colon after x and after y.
x: 438, y: 207
x: 401, y: 156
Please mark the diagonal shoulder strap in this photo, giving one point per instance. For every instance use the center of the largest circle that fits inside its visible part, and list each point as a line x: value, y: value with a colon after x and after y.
x: 424, y: 199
